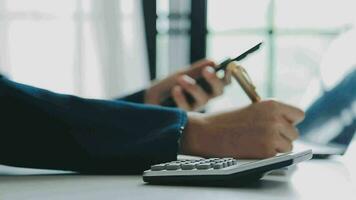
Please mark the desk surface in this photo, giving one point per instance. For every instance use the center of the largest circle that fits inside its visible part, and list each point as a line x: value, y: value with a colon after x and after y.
x: 316, y: 179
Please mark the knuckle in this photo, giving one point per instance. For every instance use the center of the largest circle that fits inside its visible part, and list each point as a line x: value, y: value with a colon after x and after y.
x: 272, y: 104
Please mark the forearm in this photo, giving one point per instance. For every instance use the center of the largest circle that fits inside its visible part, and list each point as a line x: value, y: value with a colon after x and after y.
x: 42, y: 129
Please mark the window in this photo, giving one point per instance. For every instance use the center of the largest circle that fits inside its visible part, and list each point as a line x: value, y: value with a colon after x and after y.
x: 181, y: 34
x: 39, y: 38
x: 296, y: 34
x: 173, y: 39
x: 82, y: 47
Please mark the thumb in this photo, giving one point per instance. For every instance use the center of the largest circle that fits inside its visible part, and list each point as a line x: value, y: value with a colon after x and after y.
x: 196, y: 68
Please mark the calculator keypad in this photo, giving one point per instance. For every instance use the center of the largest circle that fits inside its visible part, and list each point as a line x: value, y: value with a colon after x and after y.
x: 201, y: 164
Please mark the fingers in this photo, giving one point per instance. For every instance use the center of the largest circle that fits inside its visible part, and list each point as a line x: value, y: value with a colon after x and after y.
x: 200, y: 96
x: 287, y: 134
x: 215, y: 83
x: 227, y: 77
x: 274, y: 141
x: 180, y: 99
x: 195, y: 71
x: 283, y: 144
x: 191, y: 87
x: 292, y: 114
x: 281, y: 119
x: 288, y: 131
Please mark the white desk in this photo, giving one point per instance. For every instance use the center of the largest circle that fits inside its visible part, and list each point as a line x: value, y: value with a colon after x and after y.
x: 317, y: 179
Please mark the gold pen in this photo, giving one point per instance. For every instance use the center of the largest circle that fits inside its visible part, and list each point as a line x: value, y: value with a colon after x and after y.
x: 241, y: 76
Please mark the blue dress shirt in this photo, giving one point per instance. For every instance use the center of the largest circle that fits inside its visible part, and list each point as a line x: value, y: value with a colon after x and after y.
x: 43, y: 129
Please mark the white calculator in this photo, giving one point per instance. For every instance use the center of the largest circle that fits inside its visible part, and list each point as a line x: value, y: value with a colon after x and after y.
x: 219, y: 171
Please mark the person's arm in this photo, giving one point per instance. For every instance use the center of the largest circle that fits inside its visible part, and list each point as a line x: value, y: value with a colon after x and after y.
x: 260, y: 130
x: 42, y: 129
x: 181, y: 82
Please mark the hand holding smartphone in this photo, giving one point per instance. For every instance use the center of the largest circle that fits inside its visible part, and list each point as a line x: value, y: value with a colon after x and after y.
x: 201, y: 81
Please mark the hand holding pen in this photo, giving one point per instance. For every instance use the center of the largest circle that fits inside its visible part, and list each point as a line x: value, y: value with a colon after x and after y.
x: 259, y: 130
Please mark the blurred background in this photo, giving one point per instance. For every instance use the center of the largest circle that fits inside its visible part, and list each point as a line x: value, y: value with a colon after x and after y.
x: 103, y: 49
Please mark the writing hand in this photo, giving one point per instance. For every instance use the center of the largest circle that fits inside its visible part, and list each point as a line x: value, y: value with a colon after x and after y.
x: 260, y: 130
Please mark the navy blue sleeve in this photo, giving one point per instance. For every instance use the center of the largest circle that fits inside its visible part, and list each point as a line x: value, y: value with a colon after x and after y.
x: 137, y: 97
x: 42, y: 129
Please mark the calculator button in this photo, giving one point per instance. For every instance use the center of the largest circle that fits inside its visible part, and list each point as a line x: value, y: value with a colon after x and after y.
x: 218, y: 166
x: 224, y: 164
x: 173, y: 166
x: 158, y: 167
x: 187, y: 166
x: 203, y: 166
x: 200, y: 164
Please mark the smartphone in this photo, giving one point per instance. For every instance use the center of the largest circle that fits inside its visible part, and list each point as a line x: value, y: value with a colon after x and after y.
x: 205, y: 85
